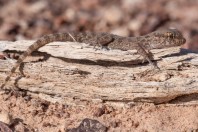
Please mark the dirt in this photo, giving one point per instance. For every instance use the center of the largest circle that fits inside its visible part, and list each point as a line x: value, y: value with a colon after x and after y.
x: 33, y: 114
x: 28, y: 19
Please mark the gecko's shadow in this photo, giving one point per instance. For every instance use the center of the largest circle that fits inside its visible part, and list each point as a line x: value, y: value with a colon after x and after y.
x: 105, y: 63
x: 180, y: 53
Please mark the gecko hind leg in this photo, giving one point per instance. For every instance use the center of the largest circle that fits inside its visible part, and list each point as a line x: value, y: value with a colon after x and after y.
x: 103, y: 47
x: 103, y: 41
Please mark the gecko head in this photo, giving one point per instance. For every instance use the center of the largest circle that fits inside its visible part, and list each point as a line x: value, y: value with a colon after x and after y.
x: 168, y: 38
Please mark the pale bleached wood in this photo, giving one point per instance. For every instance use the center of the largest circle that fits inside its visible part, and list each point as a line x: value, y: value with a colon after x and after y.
x: 76, y: 71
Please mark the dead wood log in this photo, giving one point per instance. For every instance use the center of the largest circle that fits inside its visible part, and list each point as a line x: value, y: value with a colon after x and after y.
x: 66, y: 72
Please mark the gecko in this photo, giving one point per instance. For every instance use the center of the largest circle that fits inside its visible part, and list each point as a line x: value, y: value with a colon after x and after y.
x: 143, y: 44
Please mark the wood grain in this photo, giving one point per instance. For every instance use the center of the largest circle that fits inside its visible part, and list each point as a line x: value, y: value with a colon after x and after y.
x: 69, y: 73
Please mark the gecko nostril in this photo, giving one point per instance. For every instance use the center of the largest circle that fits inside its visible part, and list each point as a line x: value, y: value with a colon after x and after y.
x: 184, y: 40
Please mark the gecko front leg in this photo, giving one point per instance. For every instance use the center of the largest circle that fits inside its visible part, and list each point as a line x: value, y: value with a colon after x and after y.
x: 146, y: 55
x: 102, y: 42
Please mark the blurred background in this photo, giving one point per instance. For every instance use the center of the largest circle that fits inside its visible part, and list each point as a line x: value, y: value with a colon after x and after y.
x: 30, y: 19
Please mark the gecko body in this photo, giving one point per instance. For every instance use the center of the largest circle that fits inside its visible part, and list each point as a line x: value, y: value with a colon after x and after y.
x: 143, y: 44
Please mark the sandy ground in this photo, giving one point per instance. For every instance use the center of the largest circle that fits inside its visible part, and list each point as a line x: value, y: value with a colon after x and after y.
x: 32, y: 114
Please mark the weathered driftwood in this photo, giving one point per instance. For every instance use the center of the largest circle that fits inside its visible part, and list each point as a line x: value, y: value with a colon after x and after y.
x: 73, y: 72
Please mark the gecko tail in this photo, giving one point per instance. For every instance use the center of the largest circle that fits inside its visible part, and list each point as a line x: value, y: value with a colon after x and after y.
x: 6, y: 80
x: 30, y: 49
x: 35, y: 46
x: 19, y: 61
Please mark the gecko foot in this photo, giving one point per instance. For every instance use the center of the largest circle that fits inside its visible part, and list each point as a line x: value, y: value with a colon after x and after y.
x: 154, y: 64
x: 155, y: 67
x: 101, y: 48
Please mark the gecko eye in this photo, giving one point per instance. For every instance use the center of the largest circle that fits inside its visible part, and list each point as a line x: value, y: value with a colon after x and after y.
x: 169, y: 34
